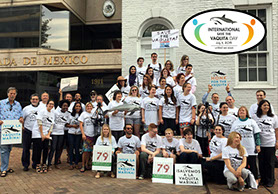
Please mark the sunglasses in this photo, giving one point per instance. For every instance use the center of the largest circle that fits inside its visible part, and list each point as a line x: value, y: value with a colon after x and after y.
x: 128, y: 128
x: 134, y: 90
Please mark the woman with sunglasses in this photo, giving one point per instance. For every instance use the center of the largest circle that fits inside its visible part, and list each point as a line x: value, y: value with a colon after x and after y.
x: 184, y: 61
x: 135, y: 118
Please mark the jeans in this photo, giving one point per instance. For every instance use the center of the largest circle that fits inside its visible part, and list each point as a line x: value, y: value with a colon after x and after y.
x: 74, y: 144
x: 26, y: 144
x: 5, y: 155
x: 144, y: 161
x: 189, y: 158
x: 267, y: 165
x: 56, y: 145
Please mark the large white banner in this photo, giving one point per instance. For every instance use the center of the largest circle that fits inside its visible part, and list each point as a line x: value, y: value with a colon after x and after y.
x: 165, y: 39
x: 11, y: 132
x: 69, y: 84
x: 188, y: 174
x: 162, y: 170
x: 102, y: 158
x: 126, y: 166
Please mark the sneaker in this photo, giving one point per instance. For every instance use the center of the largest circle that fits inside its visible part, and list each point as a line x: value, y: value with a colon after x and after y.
x: 141, y: 177
x: 25, y: 169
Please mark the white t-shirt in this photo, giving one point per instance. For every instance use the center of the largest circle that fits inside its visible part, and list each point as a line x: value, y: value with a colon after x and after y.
x: 129, y: 145
x: 171, y: 146
x: 42, y: 105
x: 73, y: 120
x: 168, y: 110
x: 201, y: 129
x: 192, y: 81
x: 194, y: 145
x: 151, y: 106
x: 233, y: 111
x: 106, y: 142
x: 156, y: 71
x: 181, y: 70
x: 151, y: 143
x: 226, y: 122
x: 117, y: 121
x: 125, y: 91
x: 267, y: 125
x: 177, y: 90
x: 47, y: 119
x: 186, y: 103
x: 247, y: 129
x: 233, y: 155
x: 136, y: 101
x: 29, y: 115
x: 216, y: 146
x: 254, y: 107
x: 61, y: 119
x: 140, y: 72
x: 215, y: 109
x: 160, y: 93
x: 173, y: 73
x: 144, y: 92
x: 104, y: 105
x: 170, y: 81
x: 88, y: 123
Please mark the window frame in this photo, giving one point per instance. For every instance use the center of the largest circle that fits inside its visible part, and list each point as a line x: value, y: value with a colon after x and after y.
x: 269, y: 53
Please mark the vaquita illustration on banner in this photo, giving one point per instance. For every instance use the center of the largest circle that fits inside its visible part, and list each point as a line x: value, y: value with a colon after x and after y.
x: 223, y: 31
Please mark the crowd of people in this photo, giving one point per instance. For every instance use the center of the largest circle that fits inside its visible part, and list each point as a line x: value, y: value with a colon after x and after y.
x: 225, y: 139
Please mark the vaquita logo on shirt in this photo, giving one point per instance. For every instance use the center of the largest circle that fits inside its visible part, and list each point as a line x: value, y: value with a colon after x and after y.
x: 223, y: 31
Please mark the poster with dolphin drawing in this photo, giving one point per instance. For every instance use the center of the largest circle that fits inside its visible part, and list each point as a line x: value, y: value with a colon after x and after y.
x: 110, y: 93
x: 163, y: 170
x: 126, y: 166
x: 218, y: 78
x: 102, y: 158
x: 11, y: 132
x: 188, y: 174
x: 69, y: 84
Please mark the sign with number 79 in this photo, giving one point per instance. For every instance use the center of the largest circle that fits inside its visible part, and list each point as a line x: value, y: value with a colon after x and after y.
x: 163, y: 170
x: 102, y: 158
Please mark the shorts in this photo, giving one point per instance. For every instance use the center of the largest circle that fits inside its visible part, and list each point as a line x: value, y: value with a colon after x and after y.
x: 185, y: 124
x: 88, y: 144
x: 133, y: 121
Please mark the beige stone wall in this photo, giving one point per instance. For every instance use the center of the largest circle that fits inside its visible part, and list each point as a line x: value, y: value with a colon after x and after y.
x: 94, y: 13
x: 51, y: 60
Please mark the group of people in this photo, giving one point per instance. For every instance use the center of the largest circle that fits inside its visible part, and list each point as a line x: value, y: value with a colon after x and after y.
x: 225, y: 139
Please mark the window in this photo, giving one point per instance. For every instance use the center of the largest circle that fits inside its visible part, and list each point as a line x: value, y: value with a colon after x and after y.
x: 253, y: 64
x: 152, y: 28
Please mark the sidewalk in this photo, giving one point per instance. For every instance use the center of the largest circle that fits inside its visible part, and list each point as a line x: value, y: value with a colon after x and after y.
x: 72, y: 181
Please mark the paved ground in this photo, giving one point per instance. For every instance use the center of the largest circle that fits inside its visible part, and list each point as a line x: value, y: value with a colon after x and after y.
x: 72, y: 181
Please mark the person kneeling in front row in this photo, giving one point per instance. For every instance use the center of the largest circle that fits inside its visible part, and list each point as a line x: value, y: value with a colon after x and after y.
x: 190, y: 148
x: 151, y: 145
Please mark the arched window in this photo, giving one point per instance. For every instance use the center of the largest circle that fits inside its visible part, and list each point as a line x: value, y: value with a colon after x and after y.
x: 145, y: 41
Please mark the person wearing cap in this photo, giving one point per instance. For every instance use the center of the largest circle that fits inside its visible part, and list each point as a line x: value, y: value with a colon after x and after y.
x: 93, y: 96
x: 122, y: 85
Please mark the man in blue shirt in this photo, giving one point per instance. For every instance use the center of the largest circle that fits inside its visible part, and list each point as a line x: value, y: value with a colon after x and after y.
x: 9, y: 110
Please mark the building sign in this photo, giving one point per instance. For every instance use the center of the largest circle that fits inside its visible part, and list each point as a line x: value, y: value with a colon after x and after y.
x: 218, y: 78
x: 11, y: 132
x: 223, y: 31
x: 45, y: 60
x: 165, y: 39
x: 126, y: 166
x: 162, y: 170
x: 102, y: 158
x: 188, y: 174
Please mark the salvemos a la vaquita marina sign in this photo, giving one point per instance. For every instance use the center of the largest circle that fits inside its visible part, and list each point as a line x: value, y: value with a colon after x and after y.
x: 223, y: 31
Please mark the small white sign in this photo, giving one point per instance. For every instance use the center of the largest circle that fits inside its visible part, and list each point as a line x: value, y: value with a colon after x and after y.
x: 165, y: 39
x: 11, y: 132
x: 110, y: 93
x: 69, y: 84
x: 102, y: 158
x: 162, y: 170
x: 218, y: 79
x: 126, y: 166
x: 188, y: 174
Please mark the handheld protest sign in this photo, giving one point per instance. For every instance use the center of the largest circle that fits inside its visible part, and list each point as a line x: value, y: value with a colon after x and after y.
x: 69, y: 84
x: 163, y: 170
x: 188, y: 174
x: 102, y: 158
x: 11, y: 132
x: 126, y: 166
x: 218, y: 78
